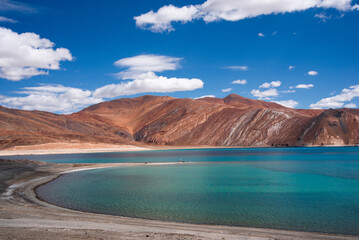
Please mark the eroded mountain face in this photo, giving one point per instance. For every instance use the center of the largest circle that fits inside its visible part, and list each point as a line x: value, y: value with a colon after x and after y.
x: 231, y: 121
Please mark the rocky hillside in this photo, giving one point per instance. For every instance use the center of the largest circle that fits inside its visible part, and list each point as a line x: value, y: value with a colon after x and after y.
x: 19, y: 127
x: 231, y: 121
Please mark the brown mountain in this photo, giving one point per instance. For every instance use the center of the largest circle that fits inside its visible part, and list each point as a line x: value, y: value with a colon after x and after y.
x: 231, y: 121
x: 18, y: 127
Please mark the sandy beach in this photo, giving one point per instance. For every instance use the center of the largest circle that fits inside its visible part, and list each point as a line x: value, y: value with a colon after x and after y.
x: 24, y: 216
x: 69, y: 148
x: 65, y: 148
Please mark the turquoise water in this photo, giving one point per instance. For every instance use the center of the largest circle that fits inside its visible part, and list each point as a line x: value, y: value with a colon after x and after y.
x: 305, y: 189
x: 205, y: 155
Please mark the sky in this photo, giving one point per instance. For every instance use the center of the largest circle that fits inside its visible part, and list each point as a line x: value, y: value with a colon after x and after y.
x: 62, y: 56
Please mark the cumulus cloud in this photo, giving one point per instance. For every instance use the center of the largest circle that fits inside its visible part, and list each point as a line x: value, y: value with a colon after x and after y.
x: 261, y: 35
x: 141, y: 71
x: 5, y: 19
x: 350, y: 105
x: 273, y: 84
x: 160, y: 21
x: 337, y: 101
x: 305, y: 86
x: 291, y: 68
x: 152, y: 83
x: 265, y: 85
x: 288, y: 103
x: 227, y: 90
x: 206, y: 96
x: 242, y: 82
x: 312, y: 73
x: 265, y: 95
x: 52, y: 98
x: 231, y: 10
x: 240, y: 68
x: 26, y: 55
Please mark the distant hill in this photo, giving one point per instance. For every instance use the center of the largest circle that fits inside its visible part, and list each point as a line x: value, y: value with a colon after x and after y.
x: 231, y: 121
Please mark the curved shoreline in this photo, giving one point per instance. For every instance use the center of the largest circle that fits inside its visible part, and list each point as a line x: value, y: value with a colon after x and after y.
x: 42, y: 216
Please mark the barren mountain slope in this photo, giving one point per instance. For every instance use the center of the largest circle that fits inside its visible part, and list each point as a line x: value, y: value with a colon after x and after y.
x: 231, y: 121
x: 332, y: 127
x: 18, y: 127
x: 242, y: 102
x: 123, y: 113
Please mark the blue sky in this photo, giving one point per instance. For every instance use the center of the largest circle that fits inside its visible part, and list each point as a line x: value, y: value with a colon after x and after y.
x: 61, y: 56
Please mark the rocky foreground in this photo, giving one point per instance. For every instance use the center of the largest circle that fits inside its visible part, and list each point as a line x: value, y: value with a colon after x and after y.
x: 154, y: 120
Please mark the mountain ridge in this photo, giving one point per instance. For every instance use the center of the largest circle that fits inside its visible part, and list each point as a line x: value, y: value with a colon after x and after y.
x: 163, y: 120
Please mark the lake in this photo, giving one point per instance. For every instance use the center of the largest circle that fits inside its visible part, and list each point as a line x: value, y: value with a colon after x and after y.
x: 305, y: 189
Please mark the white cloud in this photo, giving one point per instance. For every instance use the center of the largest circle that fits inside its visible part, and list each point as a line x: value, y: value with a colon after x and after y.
x: 261, y: 35
x: 326, y: 103
x: 146, y: 63
x: 240, y: 68
x: 274, y: 33
x: 231, y: 10
x: 322, y: 16
x: 160, y: 21
x: 355, y: 7
x: 304, y: 86
x: 291, y: 68
x: 276, y: 83
x: 227, y: 90
x: 141, y: 70
x: 288, y: 91
x: 337, y: 101
x: 9, y: 5
x: 5, y: 19
x: 149, y: 84
x: 52, y: 98
x: 265, y: 85
x: 266, y: 95
x: 273, y: 84
x: 26, y: 55
x: 242, y: 82
x: 350, y: 105
x: 206, y: 96
x: 288, y: 103
x: 312, y: 73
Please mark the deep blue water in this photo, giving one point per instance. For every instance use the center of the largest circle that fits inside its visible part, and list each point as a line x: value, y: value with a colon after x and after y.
x: 305, y: 189
x: 200, y: 155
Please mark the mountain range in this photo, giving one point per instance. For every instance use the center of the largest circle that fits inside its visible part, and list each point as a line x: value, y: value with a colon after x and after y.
x: 163, y: 120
